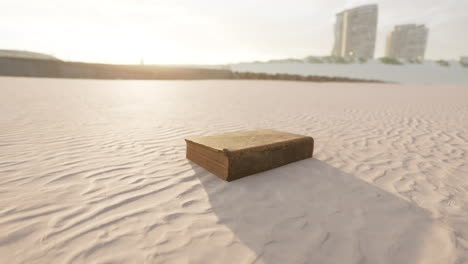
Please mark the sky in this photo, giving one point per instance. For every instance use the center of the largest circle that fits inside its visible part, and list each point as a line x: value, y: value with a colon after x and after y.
x: 212, y: 31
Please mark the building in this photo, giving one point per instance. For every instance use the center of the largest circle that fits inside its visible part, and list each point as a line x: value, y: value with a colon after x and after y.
x: 407, y: 42
x: 356, y: 31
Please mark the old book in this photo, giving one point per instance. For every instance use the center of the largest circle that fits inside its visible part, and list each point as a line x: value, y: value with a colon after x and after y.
x: 235, y: 155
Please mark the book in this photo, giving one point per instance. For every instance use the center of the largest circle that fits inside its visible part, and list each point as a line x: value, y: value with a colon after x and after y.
x: 235, y: 155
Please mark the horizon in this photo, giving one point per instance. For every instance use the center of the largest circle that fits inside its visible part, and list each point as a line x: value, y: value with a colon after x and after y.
x: 271, y: 60
x: 123, y: 32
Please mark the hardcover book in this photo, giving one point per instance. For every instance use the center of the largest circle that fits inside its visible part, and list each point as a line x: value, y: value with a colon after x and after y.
x: 235, y: 155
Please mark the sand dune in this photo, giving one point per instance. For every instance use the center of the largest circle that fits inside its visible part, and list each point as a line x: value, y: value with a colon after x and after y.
x: 95, y: 172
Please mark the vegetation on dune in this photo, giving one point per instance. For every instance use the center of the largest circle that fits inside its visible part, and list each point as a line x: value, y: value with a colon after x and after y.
x: 443, y: 63
x: 353, y: 60
x: 289, y: 60
x: 390, y: 60
x: 414, y: 61
x: 312, y: 59
x: 362, y: 60
x: 295, y: 77
x: 335, y: 59
x: 340, y: 60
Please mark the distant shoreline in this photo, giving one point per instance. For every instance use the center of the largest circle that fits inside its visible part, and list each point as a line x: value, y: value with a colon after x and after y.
x: 26, y: 67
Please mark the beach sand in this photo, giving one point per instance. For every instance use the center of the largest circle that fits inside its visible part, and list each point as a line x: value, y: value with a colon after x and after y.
x: 95, y: 172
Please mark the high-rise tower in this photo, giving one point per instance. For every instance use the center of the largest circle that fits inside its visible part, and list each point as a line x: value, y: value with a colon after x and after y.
x: 407, y: 41
x: 355, y: 32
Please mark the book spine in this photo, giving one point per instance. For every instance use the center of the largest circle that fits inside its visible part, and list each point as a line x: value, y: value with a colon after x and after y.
x: 213, y: 161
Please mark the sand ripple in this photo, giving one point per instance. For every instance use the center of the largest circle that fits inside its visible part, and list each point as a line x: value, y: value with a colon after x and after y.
x: 95, y: 172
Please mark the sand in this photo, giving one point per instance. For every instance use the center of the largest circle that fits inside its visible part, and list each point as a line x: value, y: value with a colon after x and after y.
x: 95, y: 172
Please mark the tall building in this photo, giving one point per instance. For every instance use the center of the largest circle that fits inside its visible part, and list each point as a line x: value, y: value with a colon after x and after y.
x: 407, y: 41
x: 356, y: 31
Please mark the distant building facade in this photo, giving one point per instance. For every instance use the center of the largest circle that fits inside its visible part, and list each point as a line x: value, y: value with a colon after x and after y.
x: 356, y: 32
x: 407, y: 42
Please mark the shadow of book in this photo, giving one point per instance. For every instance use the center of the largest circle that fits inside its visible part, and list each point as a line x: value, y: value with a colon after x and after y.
x: 311, y: 212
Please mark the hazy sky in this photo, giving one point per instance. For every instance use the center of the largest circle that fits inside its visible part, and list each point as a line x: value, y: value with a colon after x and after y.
x: 212, y: 31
